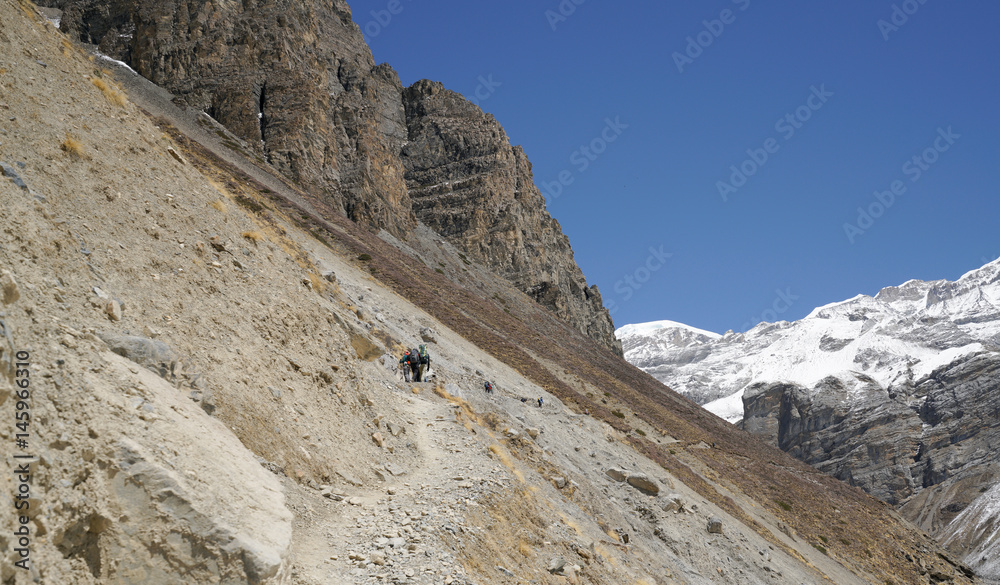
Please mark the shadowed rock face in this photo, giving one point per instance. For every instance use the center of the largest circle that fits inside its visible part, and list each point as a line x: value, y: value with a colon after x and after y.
x: 471, y: 186
x: 297, y: 81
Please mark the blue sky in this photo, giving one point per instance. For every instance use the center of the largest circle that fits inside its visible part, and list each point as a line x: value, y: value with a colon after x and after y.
x: 666, y: 195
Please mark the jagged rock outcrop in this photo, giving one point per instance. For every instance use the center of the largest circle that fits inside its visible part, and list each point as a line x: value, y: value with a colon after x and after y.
x: 471, y: 186
x: 297, y: 82
x: 294, y: 79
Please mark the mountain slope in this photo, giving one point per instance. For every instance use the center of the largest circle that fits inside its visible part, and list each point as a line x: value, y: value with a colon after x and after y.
x: 894, y: 393
x: 298, y: 84
x: 213, y: 366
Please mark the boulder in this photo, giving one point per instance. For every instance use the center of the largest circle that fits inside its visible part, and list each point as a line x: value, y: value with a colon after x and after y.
x: 557, y: 565
x: 714, y: 526
x: 644, y: 484
x: 9, y: 172
x: 615, y: 474
x: 428, y: 335
x: 9, y: 292
x: 672, y: 503
x: 148, y: 353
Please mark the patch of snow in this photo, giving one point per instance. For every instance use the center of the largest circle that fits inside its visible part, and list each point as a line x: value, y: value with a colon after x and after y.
x: 101, y: 55
x: 937, y: 360
x: 651, y: 327
x: 729, y: 408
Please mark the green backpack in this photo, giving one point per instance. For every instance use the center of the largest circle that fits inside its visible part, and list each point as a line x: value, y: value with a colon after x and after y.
x: 425, y: 359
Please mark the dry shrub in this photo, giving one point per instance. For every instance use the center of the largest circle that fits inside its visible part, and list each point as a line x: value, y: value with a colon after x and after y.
x: 111, y: 93
x: 525, y: 549
x: 504, y: 458
x: 218, y: 205
x: 316, y: 282
x: 72, y: 146
x: 253, y: 236
x: 415, y: 390
x: 440, y: 391
x: 606, y: 553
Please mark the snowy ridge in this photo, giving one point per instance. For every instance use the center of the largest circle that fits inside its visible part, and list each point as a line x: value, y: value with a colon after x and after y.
x: 654, y: 326
x: 900, y: 335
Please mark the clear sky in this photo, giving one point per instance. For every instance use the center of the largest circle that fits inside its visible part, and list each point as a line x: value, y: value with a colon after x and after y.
x: 635, y: 116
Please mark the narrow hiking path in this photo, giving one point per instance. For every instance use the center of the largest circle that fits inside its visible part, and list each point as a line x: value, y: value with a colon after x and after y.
x: 396, y: 531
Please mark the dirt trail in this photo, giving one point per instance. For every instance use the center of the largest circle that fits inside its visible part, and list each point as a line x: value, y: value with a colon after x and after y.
x: 389, y: 529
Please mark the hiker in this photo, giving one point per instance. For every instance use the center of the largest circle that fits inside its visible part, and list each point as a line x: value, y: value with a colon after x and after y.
x: 489, y: 387
x: 404, y: 363
x: 425, y: 363
x: 539, y: 402
x: 413, y: 358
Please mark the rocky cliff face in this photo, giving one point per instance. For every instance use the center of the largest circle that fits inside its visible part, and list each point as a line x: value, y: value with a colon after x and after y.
x: 298, y: 82
x: 897, y: 394
x: 471, y: 186
x: 295, y: 79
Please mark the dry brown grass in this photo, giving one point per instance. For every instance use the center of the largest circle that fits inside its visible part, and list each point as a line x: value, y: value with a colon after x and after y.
x: 111, y: 93
x: 525, y: 549
x: 219, y: 206
x: 253, y: 235
x: 316, y: 282
x: 72, y: 147
x: 440, y: 391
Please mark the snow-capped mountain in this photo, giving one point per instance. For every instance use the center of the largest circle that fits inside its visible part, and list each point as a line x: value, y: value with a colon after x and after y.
x: 900, y: 335
x: 898, y: 394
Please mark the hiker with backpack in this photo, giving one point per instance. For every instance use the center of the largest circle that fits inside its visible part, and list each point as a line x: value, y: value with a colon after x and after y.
x: 410, y: 362
x: 488, y: 386
x: 424, y: 363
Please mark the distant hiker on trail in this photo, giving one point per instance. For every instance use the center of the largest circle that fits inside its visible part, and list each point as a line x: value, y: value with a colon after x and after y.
x: 425, y: 363
x: 410, y: 362
x: 488, y: 386
x: 539, y: 402
x: 414, y: 360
